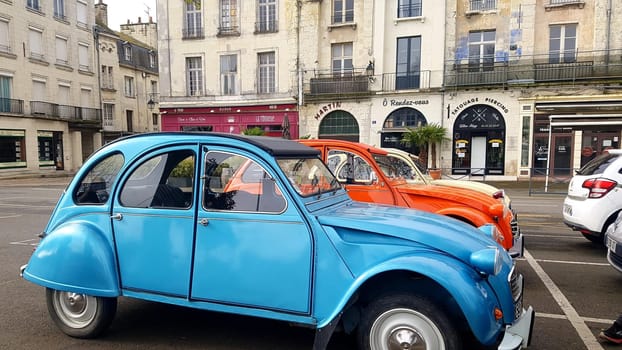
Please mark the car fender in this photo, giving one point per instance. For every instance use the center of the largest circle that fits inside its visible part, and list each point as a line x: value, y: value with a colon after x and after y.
x: 472, y: 293
x: 75, y: 257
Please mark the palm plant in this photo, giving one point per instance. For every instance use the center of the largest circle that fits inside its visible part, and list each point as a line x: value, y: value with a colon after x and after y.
x: 425, y: 136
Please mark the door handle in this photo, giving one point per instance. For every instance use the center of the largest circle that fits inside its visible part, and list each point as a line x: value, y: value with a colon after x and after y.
x: 203, y: 222
x: 117, y: 216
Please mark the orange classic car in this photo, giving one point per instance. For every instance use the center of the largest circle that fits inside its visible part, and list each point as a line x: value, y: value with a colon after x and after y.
x: 370, y: 175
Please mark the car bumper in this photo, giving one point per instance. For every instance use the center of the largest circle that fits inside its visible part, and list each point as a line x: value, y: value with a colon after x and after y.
x: 614, y: 252
x: 518, y: 334
x: 518, y: 248
x: 585, y: 215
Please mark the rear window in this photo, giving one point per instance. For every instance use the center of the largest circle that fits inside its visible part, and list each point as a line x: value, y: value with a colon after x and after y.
x: 598, y: 165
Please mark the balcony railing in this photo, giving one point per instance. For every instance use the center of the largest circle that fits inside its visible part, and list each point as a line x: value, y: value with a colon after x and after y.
x: 354, y: 81
x: 71, y: 113
x: 406, y: 81
x: 584, y: 67
x: 228, y: 30
x: 192, y: 33
x: 13, y: 106
x: 482, y: 5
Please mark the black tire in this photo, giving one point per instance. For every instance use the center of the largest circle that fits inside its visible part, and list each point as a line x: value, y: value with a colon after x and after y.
x: 80, y: 315
x: 397, y: 320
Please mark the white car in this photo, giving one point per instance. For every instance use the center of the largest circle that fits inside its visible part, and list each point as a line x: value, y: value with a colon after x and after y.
x: 411, y: 170
x: 595, y: 196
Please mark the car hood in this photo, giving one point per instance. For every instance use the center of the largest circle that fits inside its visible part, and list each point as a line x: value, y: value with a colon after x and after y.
x: 428, y: 229
x: 473, y: 185
x: 472, y: 198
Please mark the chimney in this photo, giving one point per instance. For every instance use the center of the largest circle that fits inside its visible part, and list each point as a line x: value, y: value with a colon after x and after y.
x: 139, y: 20
x: 101, y: 13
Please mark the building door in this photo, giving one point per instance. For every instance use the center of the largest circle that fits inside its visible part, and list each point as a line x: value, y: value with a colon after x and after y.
x: 561, y: 155
x: 478, y: 155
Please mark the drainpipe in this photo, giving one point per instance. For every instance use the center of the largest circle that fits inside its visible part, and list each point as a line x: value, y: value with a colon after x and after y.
x: 607, y: 41
x: 99, y: 81
x: 298, y: 65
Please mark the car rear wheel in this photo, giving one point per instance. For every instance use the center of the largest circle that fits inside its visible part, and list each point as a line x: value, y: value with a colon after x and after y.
x: 404, y: 321
x: 80, y: 315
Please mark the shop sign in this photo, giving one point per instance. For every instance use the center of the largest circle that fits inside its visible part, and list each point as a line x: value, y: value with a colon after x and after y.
x: 491, y: 101
x: 326, y: 109
x: 265, y: 118
x: 191, y: 119
x: 404, y: 102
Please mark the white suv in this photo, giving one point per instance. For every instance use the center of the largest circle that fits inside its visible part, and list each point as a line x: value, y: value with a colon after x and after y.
x: 595, y: 196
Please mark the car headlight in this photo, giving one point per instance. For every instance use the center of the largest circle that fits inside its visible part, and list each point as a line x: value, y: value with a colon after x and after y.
x: 491, y: 231
x: 487, y: 260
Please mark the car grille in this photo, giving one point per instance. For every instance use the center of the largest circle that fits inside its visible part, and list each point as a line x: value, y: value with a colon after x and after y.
x: 616, y: 259
x: 514, y: 224
x: 515, y: 280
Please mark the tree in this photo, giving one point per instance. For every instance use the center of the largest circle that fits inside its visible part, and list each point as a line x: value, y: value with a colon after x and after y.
x: 424, y: 137
x: 197, y: 3
x: 256, y: 131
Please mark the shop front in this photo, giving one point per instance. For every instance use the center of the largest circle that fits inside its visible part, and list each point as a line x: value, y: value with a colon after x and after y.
x: 275, y: 120
x: 479, y: 139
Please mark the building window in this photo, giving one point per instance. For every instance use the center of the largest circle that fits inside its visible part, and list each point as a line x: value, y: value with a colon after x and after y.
x: 339, y: 125
x: 481, y: 50
x: 408, y: 65
x: 108, y: 115
x: 266, y: 16
x: 83, y: 56
x: 194, y: 76
x: 228, y: 74
x: 267, y: 72
x: 46, y: 147
x: 152, y: 60
x: 61, y: 51
x: 193, y: 21
x: 482, y: 5
x: 342, y: 59
x: 107, y: 80
x: 39, y: 91
x: 343, y: 11
x: 35, y: 39
x: 6, y: 85
x: 154, y: 120
x: 59, y: 10
x: 82, y: 14
x: 127, y: 52
x: 129, y: 87
x: 12, y: 148
x: 33, y: 5
x: 228, y: 16
x: 409, y: 8
x: 5, y: 44
x: 129, y: 117
x: 563, y: 43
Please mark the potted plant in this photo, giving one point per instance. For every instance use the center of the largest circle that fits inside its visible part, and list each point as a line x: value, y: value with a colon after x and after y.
x: 426, y: 137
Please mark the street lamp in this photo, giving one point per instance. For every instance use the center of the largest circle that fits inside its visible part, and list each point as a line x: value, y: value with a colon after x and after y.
x: 150, y: 104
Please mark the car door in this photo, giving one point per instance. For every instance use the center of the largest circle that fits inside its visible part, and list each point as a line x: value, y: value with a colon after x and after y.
x: 153, y: 218
x: 363, y: 181
x: 252, y: 246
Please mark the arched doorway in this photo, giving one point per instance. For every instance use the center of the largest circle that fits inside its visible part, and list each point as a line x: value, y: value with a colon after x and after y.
x: 479, y: 142
x: 396, y: 124
x: 339, y: 125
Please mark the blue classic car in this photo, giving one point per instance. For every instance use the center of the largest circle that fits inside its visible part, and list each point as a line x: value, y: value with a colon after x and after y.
x: 259, y: 226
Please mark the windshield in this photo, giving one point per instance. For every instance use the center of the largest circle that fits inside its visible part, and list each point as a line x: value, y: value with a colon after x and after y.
x: 309, y: 176
x: 397, y: 168
x: 597, y: 165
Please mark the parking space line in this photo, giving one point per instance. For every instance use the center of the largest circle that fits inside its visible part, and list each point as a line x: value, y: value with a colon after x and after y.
x: 563, y: 317
x: 573, y: 316
x: 10, y: 216
x: 572, y: 262
x: 555, y: 236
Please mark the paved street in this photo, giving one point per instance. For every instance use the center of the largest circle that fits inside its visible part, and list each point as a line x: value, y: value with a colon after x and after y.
x: 568, y: 281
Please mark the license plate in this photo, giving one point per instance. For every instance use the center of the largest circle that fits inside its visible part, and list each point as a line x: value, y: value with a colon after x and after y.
x: 568, y: 209
x: 611, y: 244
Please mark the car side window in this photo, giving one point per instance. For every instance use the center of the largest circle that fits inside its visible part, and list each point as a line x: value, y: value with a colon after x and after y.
x: 237, y: 183
x: 350, y: 168
x: 162, y: 181
x: 94, y: 188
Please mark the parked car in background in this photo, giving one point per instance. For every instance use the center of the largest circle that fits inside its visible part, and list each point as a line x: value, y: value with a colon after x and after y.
x: 154, y: 216
x: 370, y: 175
x: 410, y: 168
x: 594, y: 196
x: 613, y: 240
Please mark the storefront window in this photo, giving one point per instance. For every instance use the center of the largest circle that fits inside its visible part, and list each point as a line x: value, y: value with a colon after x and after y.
x: 12, y: 148
x: 524, y: 160
x: 46, y: 148
x: 339, y: 125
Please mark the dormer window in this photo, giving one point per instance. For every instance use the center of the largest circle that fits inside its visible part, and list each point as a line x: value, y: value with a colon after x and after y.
x: 127, y: 52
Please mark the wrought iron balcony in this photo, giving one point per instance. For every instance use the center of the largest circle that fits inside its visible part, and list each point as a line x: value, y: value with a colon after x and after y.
x: 13, y: 106
x: 66, y: 112
x: 583, y: 67
x: 192, y: 33
x: 351, y: 82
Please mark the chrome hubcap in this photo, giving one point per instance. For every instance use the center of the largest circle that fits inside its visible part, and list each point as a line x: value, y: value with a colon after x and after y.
x: 74, y: 309
x: 405, y: 329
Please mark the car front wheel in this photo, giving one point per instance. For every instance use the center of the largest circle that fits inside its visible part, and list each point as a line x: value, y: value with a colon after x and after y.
x: 405, y: 321
x: 80, y: 315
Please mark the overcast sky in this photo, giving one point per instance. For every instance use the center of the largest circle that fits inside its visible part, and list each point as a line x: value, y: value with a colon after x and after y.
x: 119, y: 11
